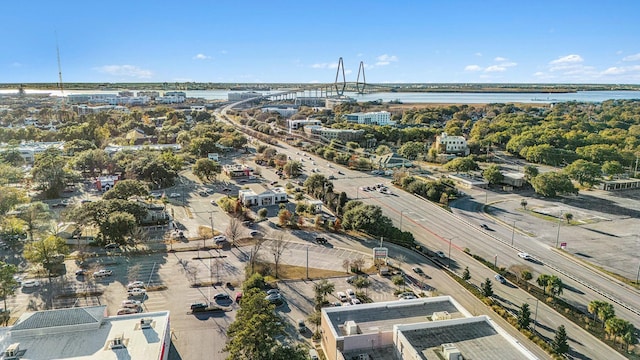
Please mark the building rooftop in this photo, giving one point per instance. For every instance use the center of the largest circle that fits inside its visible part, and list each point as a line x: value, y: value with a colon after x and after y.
x: 382, y: 316
x: 475, y: 338
x: 84, y: 333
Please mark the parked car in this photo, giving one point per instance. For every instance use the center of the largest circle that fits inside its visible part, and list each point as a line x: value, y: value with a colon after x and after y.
x: 331, y: 177
x: 440, y: 254
x: 351, y: 293
x: 274, y: 298
x: 133, y: 304
x: 111, y: 246
x: 342, y: 296
x: 321, y: 240
x: 219, y: 239
x: 255, y: 233
x: 273, y: 291
x: 137, y: 292
x: 156, y: 195
x: 355, y: 301
x: 175, y: 195
x: 499, y: 278
x: 127, y: 311
x: 30, y: 283
x: 135, y: 285
x: 199, y: 307
x: 221, y: 296
x: 302, y: 328
x: 102, y: 273
x: 340, y: 172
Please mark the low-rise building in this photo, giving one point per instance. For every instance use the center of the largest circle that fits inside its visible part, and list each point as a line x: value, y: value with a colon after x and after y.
x: 328, y: 134
x: 370, y: 118
x: 297, y: 124
x: 273, y: 196
x: 416, y: 329
x: 619, y: 184
x: 29, y: 150
x: 451, y: 144
x: 393, y: 160
x: 284, y: 111
x: 237, y: 170
x: 87, y: 333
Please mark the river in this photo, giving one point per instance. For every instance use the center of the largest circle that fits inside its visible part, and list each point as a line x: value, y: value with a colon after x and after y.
x: 411, y: 97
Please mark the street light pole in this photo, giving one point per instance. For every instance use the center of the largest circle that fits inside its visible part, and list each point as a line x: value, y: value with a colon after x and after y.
x: 495, y: 261
x: 535, y: 320
x: 449, y: 265
x: 513, y: 232
x: 558, y: 235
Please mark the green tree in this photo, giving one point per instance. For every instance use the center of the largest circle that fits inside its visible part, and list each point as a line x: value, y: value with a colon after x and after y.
x: 12, y: 157
x: 398, y: 281
x: 493, y: 175
x: 292, y: 168
x: 554, y: 285
x: 615, y: 327
x: 486, y: 288
x: 35, y: 216
x: 262, y: 213
x: 206, y: 169
x: 461, y: 164
x: 530, y: 171
x: 584, y: 172
x: 612, y: 168
x: 49, y: 171
x: 594, y: 306
x: 551, y: 184
x: 255, y: 281
x: 321, y: 289
x: 117, y: 226
x: 559, y: 346
x: 124, y: 189
x: 466, y: 275
x: 411, y: 149
x: 524, y: 203
x: 524, y: 316
x: 606, y: 312
x: 361, y: 282
x: 543, y: 282
x: 48, y: 252
x: 8, y: 283
x: 10, y: 197
x: 568, y: 216
x: 284, y: 217
x: 382, y: 150
x: 10, y: 174
x: 253, y: 334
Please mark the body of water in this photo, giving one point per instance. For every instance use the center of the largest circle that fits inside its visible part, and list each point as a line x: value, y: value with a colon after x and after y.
x: 422, y: 97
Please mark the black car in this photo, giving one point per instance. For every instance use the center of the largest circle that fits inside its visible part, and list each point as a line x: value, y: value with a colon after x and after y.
x: 199, y: 307
x: 321, y: 240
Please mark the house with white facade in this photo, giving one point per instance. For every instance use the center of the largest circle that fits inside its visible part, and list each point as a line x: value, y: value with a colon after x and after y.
x: 451, y: 144
x: 371, y: 118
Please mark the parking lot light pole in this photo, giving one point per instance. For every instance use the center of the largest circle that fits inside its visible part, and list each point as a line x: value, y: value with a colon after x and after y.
x: 513, y: 232
x: 535, y: 319
x: 559, y: 223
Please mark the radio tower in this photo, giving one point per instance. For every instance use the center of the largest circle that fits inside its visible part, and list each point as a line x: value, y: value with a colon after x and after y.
x: 60, y: 85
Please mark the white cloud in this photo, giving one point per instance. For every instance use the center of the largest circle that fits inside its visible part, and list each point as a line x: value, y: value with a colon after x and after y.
x: 201, y: 57
x: 620, y: 70
x: 634, y: 57
x: 478, y: 54
x: 499, y: 58
x: 386, y: 59
x: 569, y: 59
x: 495, y: 68
x: 472, y: 68
x: 126, y: 70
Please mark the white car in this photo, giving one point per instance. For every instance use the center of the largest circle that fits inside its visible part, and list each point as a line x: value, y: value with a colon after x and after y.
x: 135, y: 285
x: 30, y: 283
x: 102, y: 273
x: 132, y: 304
x: 355, y: 301
x: 175, y: 195
x: 342, y: 296
x: 137, y: 292
x: 156, y: 195
x: 524, y: 255
x: 440, y: 254
x: 351, y: 293
x: 126, y: 311
x: 219, y: 239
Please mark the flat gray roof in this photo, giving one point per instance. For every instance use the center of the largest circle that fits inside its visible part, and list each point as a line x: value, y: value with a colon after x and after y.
x: 381, y: 317
x: 476, y: 339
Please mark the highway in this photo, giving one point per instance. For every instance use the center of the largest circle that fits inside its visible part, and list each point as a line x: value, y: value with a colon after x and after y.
x: 439, y: 229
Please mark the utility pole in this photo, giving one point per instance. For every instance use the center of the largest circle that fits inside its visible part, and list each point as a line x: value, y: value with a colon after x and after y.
x: 513, y: 232
x: 307, y: 262
x: 558, y: 235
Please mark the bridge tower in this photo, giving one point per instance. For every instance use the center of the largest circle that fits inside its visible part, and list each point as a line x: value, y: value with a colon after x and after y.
x: 339, y: 91
x: 364, y: 81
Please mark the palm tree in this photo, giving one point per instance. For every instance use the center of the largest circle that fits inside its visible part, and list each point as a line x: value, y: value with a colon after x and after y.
x: 555, y: 285
x: 568, y: 217
x: 543, y: 281
x: 524, y: 204
x: 615, y: 327
x: 322, y: 288
x: 606, y: 312
x: 594, y: 307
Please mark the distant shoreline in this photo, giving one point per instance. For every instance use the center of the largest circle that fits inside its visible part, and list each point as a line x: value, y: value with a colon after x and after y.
x: 372, y: 88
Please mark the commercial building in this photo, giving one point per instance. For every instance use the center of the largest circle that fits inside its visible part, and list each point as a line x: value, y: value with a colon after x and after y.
x: 424, y: 328
x: 29, y: 150
x: 249, y: 197
x: 284, y: 111
x: 619, y: 184
x: 237, y: 170
x: 87, y: 333
x: 371, y: 118
x: 172, y: 97
x: 451, y: 144
x: 328, y: 133
x: 297, y: 124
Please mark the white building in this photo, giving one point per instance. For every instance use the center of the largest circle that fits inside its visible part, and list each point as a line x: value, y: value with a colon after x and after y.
x: 248, y: 197
x: 86, y: 109
x: 87, y: 333
x: 417, y: 329
x: 296, y: 124
x: 29, y: 150
x: 172, y: 97
x: 371, y: 118
x: 283, y: 111
x: 451, y: 144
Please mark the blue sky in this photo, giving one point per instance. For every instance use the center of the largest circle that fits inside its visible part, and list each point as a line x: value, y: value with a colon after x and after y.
x: 428, y: 41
